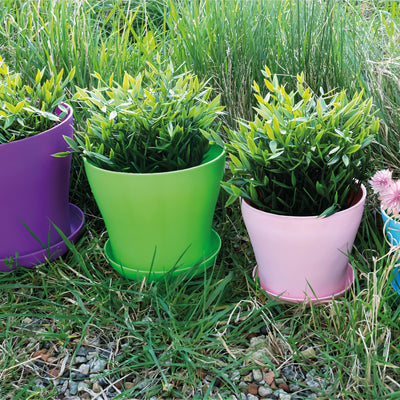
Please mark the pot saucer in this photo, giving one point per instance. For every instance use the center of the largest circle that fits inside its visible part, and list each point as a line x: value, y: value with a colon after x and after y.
x: 137, y: 274
x: 31, y: 260
x: 282, y: 298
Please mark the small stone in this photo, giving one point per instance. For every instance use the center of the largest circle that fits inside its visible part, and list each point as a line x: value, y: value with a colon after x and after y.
x: 77, y: 376
x: 96, y: 387
x: 311, y: 383
x: 92, y: 354
x: 284, y: 386
x: 252, y: 389
x: 257, y: 340
x: 129, y: 385
x: 278, y: 381
x: 294, y: 387
x: 284, y: 396
x: 73, y: 388
x: 269, y: 378
x: 264, y: 391
x: 235, y: 377
x: 289, y: 373
x: 257, y: 375
x: 54, y: 372
x: 84, y: 369
x: 82, y: 352
x: 79, y: 360
x: 82, y: 387
x: 259, y: 357
x: 64, y: 387
x: 27, y: 320
x: 39, y: 383
x: 251, y: 397
x: 97, y: 365
x: 243, y: 396
x: 309, y: 353
x: 248, y: 378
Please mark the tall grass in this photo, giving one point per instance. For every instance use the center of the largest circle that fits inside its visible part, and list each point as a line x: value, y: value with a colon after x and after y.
x: 230, y: 41
x: 103, y: 37
x: 380, y: 75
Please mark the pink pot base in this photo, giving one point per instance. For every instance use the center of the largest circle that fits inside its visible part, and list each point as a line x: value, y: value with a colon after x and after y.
x: 280, y: 297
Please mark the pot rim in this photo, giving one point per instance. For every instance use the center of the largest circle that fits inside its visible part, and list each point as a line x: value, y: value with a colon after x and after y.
x: 179, y: 171
x: 360, y: 202
x: 67, y: 120
x: 390, y: 217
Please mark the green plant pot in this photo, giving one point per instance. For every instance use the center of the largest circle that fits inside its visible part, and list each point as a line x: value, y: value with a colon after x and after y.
x: 159, y: 222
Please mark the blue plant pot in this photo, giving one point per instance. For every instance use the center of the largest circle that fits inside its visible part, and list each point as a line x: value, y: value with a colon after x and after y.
x: 392, y: 230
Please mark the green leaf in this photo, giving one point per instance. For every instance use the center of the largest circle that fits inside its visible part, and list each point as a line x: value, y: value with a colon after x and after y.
x: 252, y: 146
x: 330, y: 211
x: 321, y: 189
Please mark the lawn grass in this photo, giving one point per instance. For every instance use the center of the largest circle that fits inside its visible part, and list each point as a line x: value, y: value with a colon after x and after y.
x: 164, y: 335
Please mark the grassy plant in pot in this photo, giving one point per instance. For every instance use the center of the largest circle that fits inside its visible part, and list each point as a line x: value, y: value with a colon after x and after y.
x: 35, y: 185
x: 152, y: 170
x: 298, y: 168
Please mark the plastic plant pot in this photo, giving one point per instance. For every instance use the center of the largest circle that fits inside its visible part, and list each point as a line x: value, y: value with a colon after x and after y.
x: 392, y: 230
x: 161, y: 221
x: 35, y: 191
x: 302, y: 259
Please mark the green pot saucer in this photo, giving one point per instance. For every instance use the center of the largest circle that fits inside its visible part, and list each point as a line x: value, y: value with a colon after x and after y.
x: 138, y: 274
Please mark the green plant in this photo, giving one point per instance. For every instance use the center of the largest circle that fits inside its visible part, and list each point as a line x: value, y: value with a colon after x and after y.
x: 303, y: 153
x: 28, y: 110
x: 159, y: 121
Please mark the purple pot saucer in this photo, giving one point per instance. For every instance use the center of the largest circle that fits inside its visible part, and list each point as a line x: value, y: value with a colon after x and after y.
x: 41, y: 256
x: 339, y: 292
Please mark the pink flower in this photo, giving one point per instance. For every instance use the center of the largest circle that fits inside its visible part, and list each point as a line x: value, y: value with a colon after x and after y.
x: 390, y: 198
x: 381, y: 180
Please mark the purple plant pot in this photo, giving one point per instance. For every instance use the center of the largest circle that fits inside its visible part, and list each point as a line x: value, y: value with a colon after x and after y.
x: 34, y: 196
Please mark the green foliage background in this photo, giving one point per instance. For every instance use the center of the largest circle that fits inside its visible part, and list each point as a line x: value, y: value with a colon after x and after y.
x: 171, y: 329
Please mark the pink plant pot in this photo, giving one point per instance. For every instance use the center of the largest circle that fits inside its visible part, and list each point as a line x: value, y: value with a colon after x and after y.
x: 304, y: 258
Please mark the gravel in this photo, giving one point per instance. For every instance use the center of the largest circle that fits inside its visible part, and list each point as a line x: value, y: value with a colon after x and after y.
x: 89, y: 375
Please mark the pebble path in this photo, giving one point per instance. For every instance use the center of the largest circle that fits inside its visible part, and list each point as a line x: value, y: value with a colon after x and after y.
x: 86, y: 376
